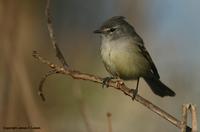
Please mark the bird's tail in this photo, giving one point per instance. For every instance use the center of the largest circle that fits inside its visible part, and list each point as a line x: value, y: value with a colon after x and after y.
x: 159, y: 88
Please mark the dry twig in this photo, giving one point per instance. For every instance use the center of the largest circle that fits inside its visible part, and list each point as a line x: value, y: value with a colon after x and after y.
x: 184, y: 117
x: 52, y: 36
x: 185, y: 109
x: 44, y: 78
x: 115, y: 84
x: 194, y: 117
x: 109, y: 122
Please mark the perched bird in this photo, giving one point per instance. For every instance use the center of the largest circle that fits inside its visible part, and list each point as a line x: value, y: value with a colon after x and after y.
x: 125, y: 56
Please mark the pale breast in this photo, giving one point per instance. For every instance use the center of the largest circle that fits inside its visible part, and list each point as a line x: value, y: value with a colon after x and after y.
x: 106, y: 50
x: 124, y: 58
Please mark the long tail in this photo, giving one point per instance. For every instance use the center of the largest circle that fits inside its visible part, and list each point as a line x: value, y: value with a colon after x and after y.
x: 159, y: 88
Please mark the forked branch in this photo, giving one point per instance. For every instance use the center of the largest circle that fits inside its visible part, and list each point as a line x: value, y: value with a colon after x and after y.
x: 114, y: 84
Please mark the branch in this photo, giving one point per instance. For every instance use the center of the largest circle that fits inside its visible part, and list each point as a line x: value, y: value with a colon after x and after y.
x: 52, y: 36
x: 114, y: 84
x: 194, y: 117
x: 109, y: 122
x: 185, y: 109
x: 43, y: 79
x: 184, y: 117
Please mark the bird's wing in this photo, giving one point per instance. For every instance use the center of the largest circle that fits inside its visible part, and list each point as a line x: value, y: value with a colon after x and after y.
x: 145, y: 53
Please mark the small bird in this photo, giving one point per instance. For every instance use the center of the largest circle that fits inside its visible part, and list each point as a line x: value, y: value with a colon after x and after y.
x: 125, y: 56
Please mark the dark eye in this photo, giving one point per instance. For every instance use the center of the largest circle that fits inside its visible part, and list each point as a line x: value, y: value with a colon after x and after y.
x: 112, y: 29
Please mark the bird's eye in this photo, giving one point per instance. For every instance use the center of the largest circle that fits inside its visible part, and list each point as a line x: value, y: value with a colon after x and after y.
x: 112, y: 29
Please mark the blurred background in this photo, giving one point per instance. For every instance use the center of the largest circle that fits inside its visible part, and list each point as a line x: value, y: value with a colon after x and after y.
x: 170, y: 30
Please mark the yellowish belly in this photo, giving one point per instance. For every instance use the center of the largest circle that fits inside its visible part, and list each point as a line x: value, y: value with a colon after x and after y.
x: 127, y: 63
x: 130, y: 65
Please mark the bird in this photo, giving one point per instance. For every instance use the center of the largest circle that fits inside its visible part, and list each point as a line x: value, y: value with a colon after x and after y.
x: 125, y: 57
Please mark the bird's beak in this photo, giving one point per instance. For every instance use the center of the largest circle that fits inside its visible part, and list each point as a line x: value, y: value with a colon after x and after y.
x: 97, y: 31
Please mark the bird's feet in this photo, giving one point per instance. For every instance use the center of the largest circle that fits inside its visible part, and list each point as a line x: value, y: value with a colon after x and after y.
x: 134, y: 92
x: 116, y: 80
x: 106, y: 80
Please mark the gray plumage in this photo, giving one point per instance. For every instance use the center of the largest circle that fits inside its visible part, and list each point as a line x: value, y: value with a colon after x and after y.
x: 125, y: 56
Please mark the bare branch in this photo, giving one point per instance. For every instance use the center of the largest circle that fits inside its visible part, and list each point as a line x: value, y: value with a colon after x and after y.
x: 114, y: 84
x: 184, y: 117
x: 109, y: 122
x: 43, y: 79
x: 82, y: 107
x: 84, y: 115
x: 185, y: 109
x: 193, y: 110
x: 52, y: 36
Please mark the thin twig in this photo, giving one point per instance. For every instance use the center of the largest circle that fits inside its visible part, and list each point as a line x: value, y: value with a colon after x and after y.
x: 193, y: 110
x: 185, y: 109
x: 43, y: 79
x: 52, y: 36
x: 84, y: 115
x: 115, y: 84
x: 109, y: 122
x: 82, y: 107
x: 184, y: 117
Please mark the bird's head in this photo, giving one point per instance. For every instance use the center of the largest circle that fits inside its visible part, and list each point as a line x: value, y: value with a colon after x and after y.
x: 115, y: 27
